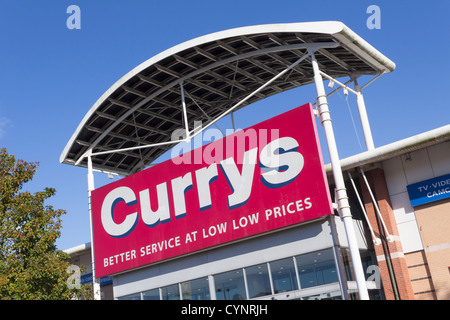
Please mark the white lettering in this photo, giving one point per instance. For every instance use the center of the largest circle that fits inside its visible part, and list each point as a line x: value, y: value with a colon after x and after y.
x: 180, y: 186
x: 438, y: 192
x: 240, y: 183
x: 189, y: 310
x: 160, y: 246
x: 115, y: 196
x: 152, y: 218
x: 120, y: 257
x: 205, y: 176
x: 213, y: 152
x: 73, y: 21
x: 280, y: 162
x: 191, y: 236
x: 245, y: 220
x: 308, y: 203
x: 374, y: 21
x: 212, y: 230
x: 290, y: 208
x: 248, y: 309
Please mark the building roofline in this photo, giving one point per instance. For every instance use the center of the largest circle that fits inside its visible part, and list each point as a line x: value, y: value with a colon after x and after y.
x: 394, y: 149
x: 78, y: 249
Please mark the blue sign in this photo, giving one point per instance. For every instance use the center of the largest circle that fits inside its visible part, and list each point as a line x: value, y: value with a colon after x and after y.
x: 429, y: 190
x: 87, y: 278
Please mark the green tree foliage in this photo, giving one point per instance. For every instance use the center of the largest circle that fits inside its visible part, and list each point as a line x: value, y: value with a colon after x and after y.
x: 30, y: 265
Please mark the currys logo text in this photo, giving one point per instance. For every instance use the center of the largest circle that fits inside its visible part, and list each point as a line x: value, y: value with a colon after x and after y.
x: 279, y: 161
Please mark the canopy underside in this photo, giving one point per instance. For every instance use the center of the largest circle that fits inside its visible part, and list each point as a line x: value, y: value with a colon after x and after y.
x: 216, y: 72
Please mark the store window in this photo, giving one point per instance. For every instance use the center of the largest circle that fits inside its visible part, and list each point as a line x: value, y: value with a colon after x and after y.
x: 336, y: 295
x: 151, y: 295
x: 366, y: 259
x: 258, y: 281
x: 134, y: 296
x: 371, y: 273
x: 299, y: 274
x: 317, y: 268
x: 197, y: 289
x: 230, y: 285
x: 284, y: 277
x: 171, y: 292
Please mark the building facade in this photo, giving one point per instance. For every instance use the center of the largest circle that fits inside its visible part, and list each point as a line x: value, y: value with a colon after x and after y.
x: 81, y: 256
x: 410, y: 260
x: 423, y: 230
x: 397, y: 194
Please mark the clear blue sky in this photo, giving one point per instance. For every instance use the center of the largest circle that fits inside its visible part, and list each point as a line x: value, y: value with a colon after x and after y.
x: 50, y: 76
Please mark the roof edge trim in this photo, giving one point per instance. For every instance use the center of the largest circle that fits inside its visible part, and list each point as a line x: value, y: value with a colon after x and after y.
x: 395, y: 149
x: 362, y: 47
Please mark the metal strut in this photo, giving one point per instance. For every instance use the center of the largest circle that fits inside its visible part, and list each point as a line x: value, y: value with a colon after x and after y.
x: 341, y: 192
x: 359, y: 102
x: 389, y: 238
x: 183, y: 103
x: 91, y: 187
x: 376, y: 240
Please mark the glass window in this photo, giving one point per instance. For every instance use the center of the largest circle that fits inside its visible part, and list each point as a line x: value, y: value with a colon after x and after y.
x: 336, y: 295
x: 317, y: 268
x: 284, y: 277
x: 134, y: 296
x: 171, y: 292
x: 151, y: 294
x: 258, y: 281
x: 367, y: 262
x: 230, y: 285
x: 366, y: 259
x: 197, y: 289
x: 370, y: 270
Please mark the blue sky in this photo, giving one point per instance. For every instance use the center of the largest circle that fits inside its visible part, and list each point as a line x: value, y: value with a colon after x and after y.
x: 51, y: 76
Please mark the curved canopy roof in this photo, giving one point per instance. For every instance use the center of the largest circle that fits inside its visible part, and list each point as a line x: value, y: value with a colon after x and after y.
x: 216, y: 71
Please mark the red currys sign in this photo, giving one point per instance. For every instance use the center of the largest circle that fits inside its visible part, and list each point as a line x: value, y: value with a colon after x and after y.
x: 263, y: 178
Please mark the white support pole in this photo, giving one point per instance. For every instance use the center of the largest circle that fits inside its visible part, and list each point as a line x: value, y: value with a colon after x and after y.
x: 363, y: 116
x: 232, y: 121
x: 183, y: 102
x: 91, y: 187
x: 342, y: 199
x: 134, y: 148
